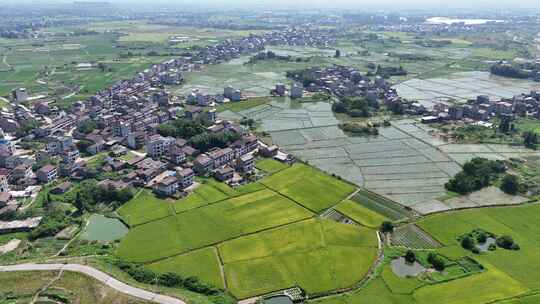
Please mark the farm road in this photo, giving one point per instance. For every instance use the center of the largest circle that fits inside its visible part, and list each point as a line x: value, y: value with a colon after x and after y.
x: 98, y: 275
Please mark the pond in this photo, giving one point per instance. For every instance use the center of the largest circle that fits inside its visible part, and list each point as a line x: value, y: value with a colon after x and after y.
x: 278, y: 300
x: 403, y: 269
x: 101, y: 228
x: 485, y: 246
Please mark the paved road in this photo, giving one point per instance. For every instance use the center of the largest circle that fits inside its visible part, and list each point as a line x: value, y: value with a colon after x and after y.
x: 98, y: 275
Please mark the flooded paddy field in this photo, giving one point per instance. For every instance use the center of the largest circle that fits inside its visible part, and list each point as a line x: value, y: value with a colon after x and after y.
x: 404, y: 162
x: 462, y: 86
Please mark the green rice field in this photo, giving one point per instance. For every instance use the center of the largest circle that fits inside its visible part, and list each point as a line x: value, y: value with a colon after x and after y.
x: 508, y: 276
x: 256, y: 238
x: 309, y: 187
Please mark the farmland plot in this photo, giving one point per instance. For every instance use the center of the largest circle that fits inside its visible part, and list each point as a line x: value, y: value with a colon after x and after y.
x: 411, y: 236
x: 311, y: 254
x: 462, y: 86
x: 405, y: 162
x: 191, y: 229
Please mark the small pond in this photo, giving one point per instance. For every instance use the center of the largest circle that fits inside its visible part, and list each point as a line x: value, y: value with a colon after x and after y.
x: 485, y: 246
x: 278, y: 300
x: 403, y: 269
x: 101, y: 228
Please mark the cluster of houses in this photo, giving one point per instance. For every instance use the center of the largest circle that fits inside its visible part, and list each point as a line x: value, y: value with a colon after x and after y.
x: 120, y: 123
x: 345, y: 81
x: 481, y: 109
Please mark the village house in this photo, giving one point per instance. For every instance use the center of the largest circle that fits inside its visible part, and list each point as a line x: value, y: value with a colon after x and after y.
x: 19, y: 226
x: 224, y: 173
x: 136, y: 140
x: 221, y: 156
x: 62, y: 188
x: 246, y: 144
x: 185, y: 178
x: 157, y: 145
x: 167, y: 187
x: 203, y: 163
x: 269, y: 151
x: 47, y: 173
x: 176, y: 155
x: 245, y: 163
x: 4, y: 177
x: 21, y: 172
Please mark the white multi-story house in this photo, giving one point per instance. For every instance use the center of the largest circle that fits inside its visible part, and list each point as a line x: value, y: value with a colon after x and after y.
x: 157, y: 145
x: 185, y: 178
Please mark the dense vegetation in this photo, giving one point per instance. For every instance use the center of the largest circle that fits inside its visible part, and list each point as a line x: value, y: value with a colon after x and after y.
x: 355, y: 106
x: 169, y: 279
x: 360, y: 129
x: 477, y: 174
x: 269, y: 55
x: 520, y: 71
x: 182, y: 128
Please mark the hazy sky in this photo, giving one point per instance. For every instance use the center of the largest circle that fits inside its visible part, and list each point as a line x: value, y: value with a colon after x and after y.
x: 353, y: 4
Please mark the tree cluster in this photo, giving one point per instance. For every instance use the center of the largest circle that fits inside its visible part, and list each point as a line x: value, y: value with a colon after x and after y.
x: 306, y: 77
x: 355, y: 106
x: 169, y: 279
x: 530, y: 140
x: 269, y: 55
x: 86, y: 127
x: 387, y: 72
x: 507, y: 242
x: 90, y: 194
x: 510, y: 71
x: 477, y: 174
x: 206, y: 141
x: 182, y: 128
x: 510, y: 184
x: 359, y: 129
x: 436, y: 261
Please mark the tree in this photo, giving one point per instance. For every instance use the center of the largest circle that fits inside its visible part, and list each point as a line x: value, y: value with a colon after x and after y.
x: 170, y: 279
x: 436, y: 261
x: 467, y: 243
x: 78, y: 203
x: 87, y: 126
x: 482, y: 237
x: 507, y: 242
x: 510, y: 184
x: 83, y: 145
x: 504, y: 127
x: 410, y: 257
x: 337, y: 54
x: 387, y: 227
x: 530, y: 139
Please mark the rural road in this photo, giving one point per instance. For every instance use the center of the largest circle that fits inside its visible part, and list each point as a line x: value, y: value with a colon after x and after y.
x: 98, y: 275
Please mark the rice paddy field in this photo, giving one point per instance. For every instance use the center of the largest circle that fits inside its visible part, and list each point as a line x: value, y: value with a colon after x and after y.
x: 405, y: 163
x: 257, y: 238
x: 462, y: 86
x: 508, y: 276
